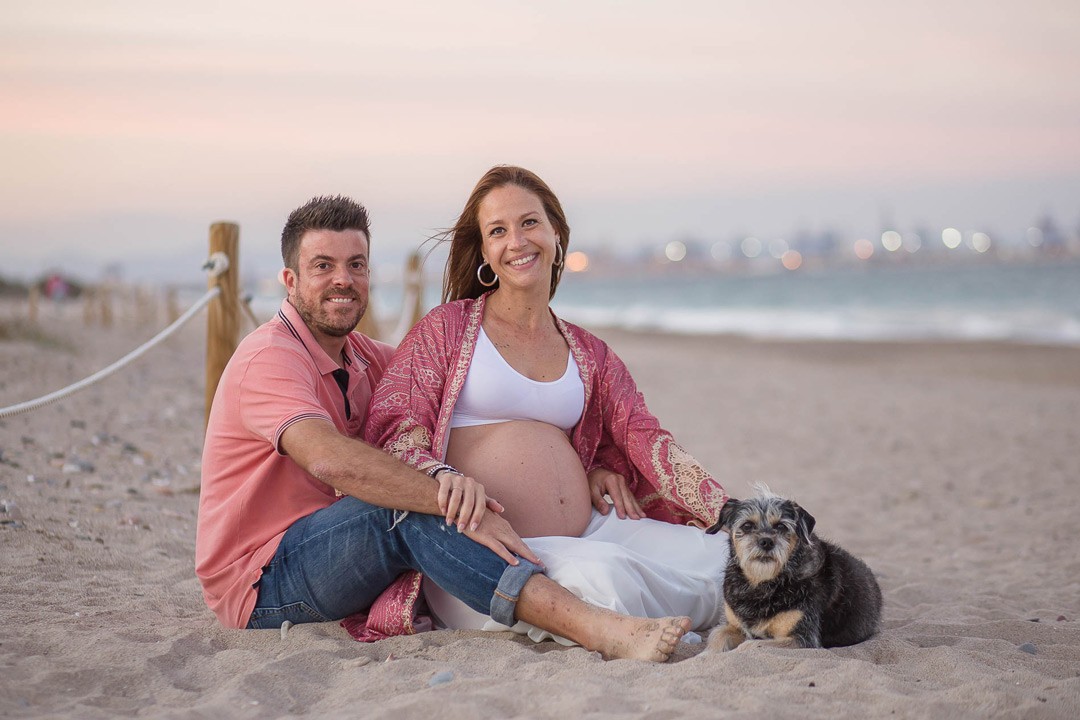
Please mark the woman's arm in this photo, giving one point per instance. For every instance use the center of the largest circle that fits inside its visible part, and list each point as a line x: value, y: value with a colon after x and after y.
x: 669, y: 483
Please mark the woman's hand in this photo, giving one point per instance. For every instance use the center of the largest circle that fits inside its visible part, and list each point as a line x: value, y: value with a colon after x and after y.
x: 495, y: 534
x: 463, y: 501
x: 604, y: 482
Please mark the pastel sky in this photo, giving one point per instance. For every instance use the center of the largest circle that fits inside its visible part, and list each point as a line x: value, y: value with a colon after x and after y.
x: 127, y: 127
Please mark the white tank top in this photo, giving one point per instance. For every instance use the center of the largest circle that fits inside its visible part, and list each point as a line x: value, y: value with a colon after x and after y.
x: 495, y: 392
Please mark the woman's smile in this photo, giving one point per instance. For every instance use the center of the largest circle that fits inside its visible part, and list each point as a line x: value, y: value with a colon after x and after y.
x: 520, y: 262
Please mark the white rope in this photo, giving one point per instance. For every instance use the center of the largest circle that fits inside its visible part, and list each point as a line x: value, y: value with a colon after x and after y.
x: 105, y: 372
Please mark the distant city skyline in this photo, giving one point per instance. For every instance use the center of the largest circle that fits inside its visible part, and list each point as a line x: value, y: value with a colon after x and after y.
x: 129, y: 127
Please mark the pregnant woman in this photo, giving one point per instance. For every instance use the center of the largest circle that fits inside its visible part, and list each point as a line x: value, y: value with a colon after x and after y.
x: 493, y: 385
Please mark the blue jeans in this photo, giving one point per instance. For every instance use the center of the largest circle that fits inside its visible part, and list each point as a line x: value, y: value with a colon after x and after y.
x: 336, y: 561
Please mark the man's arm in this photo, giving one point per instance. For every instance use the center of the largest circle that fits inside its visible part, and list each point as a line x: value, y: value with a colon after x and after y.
x: 367, y: 473
x: 358, y: 469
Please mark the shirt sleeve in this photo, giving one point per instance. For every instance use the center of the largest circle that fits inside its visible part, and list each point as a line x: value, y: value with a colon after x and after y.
x: 277, y: 389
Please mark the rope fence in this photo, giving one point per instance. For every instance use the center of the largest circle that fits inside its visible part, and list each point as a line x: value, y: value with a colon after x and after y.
x: 223, y: 321
x: 122, y: 362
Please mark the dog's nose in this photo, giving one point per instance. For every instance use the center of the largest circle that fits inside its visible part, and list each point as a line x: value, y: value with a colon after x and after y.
x: 766, y: 543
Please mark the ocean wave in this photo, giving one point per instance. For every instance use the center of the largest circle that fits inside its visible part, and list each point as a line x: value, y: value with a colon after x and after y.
x: 1024, y: 326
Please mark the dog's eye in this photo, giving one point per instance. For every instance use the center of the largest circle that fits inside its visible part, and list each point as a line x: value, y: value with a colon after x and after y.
x: 746, y: 527
x: 782, y: 529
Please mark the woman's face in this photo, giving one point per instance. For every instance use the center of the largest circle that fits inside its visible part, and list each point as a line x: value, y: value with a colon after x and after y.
x: 518, y: 239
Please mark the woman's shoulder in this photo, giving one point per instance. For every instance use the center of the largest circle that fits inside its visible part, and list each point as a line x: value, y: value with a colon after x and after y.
x: 443, y: 325
x: 452, y: 309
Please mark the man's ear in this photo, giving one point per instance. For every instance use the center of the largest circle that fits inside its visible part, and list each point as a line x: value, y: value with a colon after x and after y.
x: 288, y: 278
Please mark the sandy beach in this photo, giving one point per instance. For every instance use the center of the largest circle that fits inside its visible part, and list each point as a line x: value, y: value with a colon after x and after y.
x: 951, y: 469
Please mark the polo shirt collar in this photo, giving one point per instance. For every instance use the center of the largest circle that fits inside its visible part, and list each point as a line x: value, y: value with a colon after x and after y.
x: 289, y: 316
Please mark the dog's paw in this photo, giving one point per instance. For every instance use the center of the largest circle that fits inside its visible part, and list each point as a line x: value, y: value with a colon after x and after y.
x: 757, y: 644
x: 726, y: 638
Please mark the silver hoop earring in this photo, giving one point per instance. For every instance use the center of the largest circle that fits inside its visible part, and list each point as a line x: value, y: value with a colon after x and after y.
x: 559, y: 255
x: 494, y: 279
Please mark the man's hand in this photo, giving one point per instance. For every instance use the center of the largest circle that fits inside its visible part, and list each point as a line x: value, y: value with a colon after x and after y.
x: 604, y: 482
x: 495, y: 534
x: 462, y: 500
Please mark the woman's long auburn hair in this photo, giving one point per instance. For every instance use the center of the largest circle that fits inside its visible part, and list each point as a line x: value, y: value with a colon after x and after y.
x: 459, y: 278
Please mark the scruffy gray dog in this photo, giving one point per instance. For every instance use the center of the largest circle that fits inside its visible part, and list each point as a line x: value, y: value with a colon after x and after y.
x: 785, y: 585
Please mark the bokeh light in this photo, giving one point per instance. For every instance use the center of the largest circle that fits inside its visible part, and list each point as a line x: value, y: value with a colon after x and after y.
x: 891, y: 240
x: 751, y: 247
x: 777, y: 247
x: 980, y: 242
x: 951, y: 237
x: 792, y: 259
x: 864, y: 249
x: 577, y: 261
x: 721, y: 250
x: 1034, y: 237
x: 675, y: 251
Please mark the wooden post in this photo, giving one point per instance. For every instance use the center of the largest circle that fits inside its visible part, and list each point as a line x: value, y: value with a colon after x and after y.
x: 172, y: 305
x: 223, y: 319
x: 414, y: 278
x: 35, y: 295
x: 105, y: 303
x: 145, y: 306
x: 89, y: 305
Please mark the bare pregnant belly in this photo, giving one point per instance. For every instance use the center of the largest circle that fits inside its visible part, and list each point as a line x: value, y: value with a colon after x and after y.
x: 532, y: 469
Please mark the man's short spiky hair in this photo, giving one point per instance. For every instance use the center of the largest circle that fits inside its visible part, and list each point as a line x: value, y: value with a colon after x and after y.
x: 325, y: 212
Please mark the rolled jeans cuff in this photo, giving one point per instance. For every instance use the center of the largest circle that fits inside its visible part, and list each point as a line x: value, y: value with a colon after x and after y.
x: 504, y: 601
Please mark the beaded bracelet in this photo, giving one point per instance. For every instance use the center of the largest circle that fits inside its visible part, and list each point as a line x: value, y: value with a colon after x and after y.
x: 436, y: 469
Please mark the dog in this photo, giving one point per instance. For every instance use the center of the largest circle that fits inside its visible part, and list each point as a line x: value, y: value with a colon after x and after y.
x: 786, y: 586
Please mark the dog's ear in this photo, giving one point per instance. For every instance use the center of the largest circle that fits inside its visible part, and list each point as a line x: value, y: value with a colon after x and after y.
x: 727, y: 513
x: 806, y: 523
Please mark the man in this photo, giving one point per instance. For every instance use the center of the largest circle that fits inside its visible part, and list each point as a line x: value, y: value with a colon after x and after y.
x: 301, y: 521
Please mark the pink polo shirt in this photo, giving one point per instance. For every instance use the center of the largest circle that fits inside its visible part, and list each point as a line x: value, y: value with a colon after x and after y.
x: 251, y: 492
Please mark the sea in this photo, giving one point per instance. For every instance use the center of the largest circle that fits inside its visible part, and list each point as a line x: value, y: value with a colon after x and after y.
x: 1035, y: 303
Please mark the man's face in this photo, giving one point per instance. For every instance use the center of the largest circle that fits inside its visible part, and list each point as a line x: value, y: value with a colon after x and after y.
x: 330, y: 290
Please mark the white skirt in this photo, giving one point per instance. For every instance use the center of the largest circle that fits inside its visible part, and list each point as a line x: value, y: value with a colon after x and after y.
x: 644, y: 568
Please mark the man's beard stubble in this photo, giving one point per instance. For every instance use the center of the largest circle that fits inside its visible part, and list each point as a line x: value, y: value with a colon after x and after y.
x: 331, y: 324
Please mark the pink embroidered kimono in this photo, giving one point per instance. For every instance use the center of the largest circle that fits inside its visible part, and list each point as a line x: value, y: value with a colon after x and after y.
x: 410, y: 413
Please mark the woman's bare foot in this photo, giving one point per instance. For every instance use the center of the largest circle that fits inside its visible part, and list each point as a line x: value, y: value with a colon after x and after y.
x: 623, y: 637
x: 551, y: 607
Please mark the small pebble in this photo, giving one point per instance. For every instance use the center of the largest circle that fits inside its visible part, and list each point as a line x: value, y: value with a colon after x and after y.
x: 441, y: 678
x: 1061, y: 618
x: 812, y: 684
x: 1028, y: 648
x: 76, y: 465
